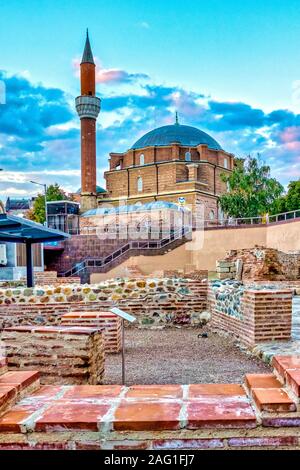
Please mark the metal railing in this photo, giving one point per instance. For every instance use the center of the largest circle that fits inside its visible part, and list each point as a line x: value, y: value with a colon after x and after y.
x: 261, y: 220
x: 131, y: 245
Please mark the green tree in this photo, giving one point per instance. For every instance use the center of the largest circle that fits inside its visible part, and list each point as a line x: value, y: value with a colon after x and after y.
x: 290, y: 201
x: 251, y: 190
x: 54, y: 193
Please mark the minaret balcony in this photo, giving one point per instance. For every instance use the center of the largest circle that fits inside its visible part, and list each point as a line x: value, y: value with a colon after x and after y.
x: 88, y: 106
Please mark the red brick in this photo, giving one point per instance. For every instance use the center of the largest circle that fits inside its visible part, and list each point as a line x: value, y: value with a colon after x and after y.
x: 72, y: 416
x: 281, y: 363
x: 20, y: 380
x: 293, y: 380
x: 143, y: 416
x: 263, y: 441
x: 7, y: 394
x: 200, y: 390
x: 169, y: 444
x: 273, y: 400
x: 93, y: 392
x: 221, y: 414
x: 154, y: 391
x: 11, y: 420
x: 262, y: 381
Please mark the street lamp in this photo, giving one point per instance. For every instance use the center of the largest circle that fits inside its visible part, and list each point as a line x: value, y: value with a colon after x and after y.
x: 45, y: 193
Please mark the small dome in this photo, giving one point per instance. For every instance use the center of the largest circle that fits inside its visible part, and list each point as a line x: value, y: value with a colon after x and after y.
x: 98, y: 189
x: 186, y: 136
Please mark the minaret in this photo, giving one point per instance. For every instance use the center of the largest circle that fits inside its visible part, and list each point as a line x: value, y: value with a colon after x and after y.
x: 88, y: 108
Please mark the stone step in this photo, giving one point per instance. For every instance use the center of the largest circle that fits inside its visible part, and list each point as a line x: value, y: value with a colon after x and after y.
x: 15, y: 386
x: 268, y: 394
x: 283, y: 363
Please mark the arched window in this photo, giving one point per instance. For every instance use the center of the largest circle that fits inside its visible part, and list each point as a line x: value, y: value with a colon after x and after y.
x: 142, y: 159
x: 188, y: 156
x: 212, y: 215
x: 225, y: 163
x: 228, y: 186
x: 140, y: 184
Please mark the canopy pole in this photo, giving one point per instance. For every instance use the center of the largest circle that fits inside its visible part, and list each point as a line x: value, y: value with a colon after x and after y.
x: 29, y: 265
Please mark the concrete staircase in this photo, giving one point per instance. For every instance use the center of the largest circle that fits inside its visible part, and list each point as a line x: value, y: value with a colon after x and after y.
x: 91, y: 265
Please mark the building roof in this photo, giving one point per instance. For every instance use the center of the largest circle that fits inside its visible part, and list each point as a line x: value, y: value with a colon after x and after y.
x: 18, y: 230
x: 17, y: 203
x: 99, y: 190
x: 87, y: 53
x: 186, y: 136
x: 138, y: 207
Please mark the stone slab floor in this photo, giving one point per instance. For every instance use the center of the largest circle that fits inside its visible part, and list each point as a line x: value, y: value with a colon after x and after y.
x: 267, y: 350
x: 178, y: 356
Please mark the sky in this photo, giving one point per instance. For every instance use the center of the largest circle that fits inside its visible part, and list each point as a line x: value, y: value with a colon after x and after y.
x: 230, y: 68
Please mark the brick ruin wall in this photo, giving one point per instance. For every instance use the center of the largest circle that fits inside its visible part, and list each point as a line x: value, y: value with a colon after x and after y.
x: 261, y: 264
x: 108, y: 322
x: 252, y: 316
x: 62, y: 355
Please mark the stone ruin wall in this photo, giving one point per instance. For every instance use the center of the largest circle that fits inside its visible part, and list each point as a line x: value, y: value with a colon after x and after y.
x: 155, y: 302
x: 260, y: 264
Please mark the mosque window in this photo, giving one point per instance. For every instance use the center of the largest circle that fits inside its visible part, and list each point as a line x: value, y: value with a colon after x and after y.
x: 212, y: 215
x: 225, y: 163
x: 188, y: 156
x: 142, y: 159
x: 140, y: 184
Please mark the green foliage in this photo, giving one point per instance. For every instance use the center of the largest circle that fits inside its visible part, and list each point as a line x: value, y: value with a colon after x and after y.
x: 290, y: 201
x: 54, y: 193
x: 251, y: 190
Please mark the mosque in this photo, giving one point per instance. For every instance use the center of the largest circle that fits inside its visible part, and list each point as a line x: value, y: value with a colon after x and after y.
x: 177, y: 164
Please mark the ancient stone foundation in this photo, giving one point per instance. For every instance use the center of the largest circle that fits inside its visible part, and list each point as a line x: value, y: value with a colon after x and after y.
x: 155, y: 302
x: 63, y: 355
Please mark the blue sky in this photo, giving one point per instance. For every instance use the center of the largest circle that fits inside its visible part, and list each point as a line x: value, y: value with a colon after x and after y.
x: 231, y: 68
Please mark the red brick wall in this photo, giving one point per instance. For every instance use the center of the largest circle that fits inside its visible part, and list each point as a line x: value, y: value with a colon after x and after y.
x: 266, y: 316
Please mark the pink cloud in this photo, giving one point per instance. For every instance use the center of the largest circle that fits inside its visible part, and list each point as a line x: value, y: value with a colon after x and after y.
x: 290, y: 135
x: 106, y: 76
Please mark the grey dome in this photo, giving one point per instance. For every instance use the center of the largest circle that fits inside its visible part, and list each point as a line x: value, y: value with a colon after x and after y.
x: 185, y: 135
x: 99, y: 190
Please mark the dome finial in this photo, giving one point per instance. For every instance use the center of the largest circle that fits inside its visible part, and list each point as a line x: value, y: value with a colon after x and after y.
x: 176, y: 119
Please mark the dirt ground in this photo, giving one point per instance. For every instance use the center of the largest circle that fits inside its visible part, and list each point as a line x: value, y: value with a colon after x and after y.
x: 178, y: 356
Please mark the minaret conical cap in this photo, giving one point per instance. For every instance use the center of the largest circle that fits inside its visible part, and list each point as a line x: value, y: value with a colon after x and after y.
x: 87, y: 53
